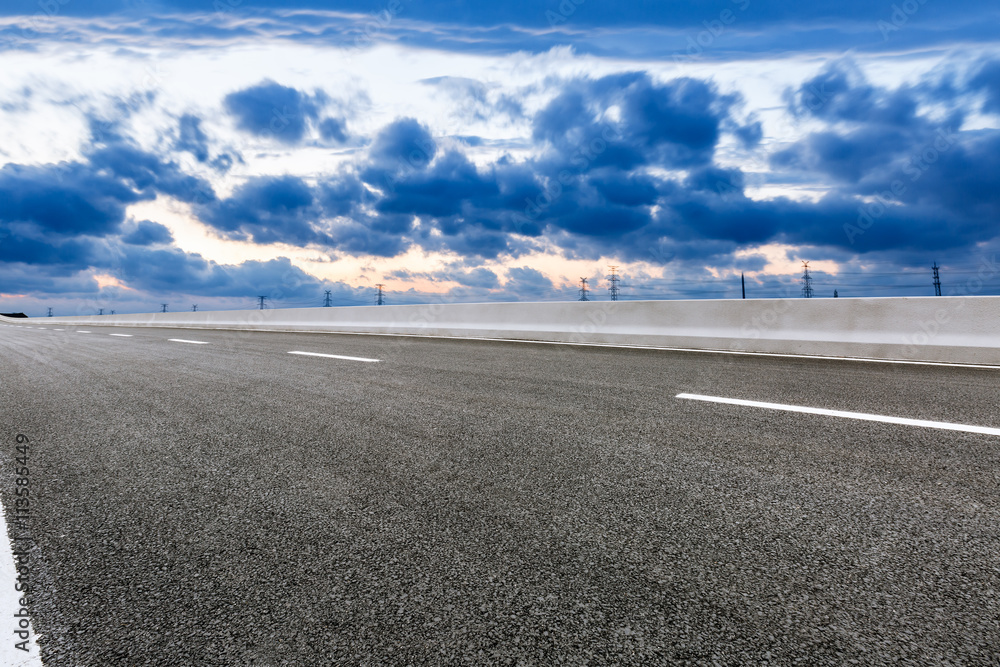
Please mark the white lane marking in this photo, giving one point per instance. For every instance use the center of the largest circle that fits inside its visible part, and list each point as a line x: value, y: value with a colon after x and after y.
x: 42, y: 327
x: 10, y: 603
x: 83, y: 332
x: 334, y: 356
x: 865, y: 416
x: 59, y: 330
x: 192, y: 342
x: 122, y: 335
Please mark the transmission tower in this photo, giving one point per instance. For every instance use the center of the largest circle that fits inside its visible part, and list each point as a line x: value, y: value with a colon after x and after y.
x: 260, y: 302
x: 583, y: 290
x: 163, y: 307
x: 112, y: 312
x: 613, y: 278
x: 937, y: 280
x: 835, y: 295
x: 380, y: 295
x: 100, y: 311
x: 807, y: 288
x: 50, y: 312
x: 326, y: 300
x: 194, y: 308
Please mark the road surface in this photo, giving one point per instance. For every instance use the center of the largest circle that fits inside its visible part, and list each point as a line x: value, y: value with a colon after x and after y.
x: 208, y: 498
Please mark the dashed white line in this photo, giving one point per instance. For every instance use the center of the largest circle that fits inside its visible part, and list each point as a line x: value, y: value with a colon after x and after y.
x: 335, y: 356
x: 83, y: 332
x: 192, y: 342
x: 865, y: 416
x: 122, y: 335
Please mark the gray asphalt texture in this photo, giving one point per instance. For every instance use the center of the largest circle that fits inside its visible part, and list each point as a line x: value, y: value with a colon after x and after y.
x: 472, y: 502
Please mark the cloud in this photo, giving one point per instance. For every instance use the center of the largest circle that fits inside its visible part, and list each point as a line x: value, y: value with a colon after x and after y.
x: 672, y: 124
x: 271, y: 110
x: 987, y: 81
x: 474, y: 100
x: 147, y: 232
x: 268, y: 209
x: 65, y: 199
x: 528, y: 282
x: 191, y: 138
x: 404, y: 144
x: 333, y: 129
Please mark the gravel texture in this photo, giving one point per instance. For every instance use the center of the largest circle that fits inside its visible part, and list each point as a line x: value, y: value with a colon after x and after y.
x: 485, y: 503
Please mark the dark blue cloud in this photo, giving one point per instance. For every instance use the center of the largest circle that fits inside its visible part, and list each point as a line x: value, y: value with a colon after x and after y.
x: 274, y: 111
x: 66, y: 199
x: 404, y: 144
x: 147, y: 232
x: 478, y: 277
x: 333, y: 129
x: 987, y: 80
x: 841, y: 93
x: 702, y: 31
x: 190, y: 137
x: 672, y: 124
x: 56, y: 255
x: 593, y: 13
x: 528, y: 282
x: 623, y: 166
x: 148, y: 173
x: 441, y: 190
x: 268, y: 209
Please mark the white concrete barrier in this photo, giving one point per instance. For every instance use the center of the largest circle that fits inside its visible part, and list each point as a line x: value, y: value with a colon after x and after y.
x: 947, y: 329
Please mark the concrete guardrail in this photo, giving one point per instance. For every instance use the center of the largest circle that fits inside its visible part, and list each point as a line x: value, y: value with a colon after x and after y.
x: 945, y: 329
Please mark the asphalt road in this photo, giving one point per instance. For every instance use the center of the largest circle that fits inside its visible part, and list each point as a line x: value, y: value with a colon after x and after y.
x: 470, y: 502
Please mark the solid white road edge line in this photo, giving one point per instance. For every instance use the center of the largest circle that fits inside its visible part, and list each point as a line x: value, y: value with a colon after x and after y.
x: 334, y: 356
x: 10, y: 605
x: 948, y: 426
x: 192, y: 342
x: 992, y: 367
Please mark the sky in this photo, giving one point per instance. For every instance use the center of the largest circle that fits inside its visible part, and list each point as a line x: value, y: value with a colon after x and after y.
x: 208, y: 152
